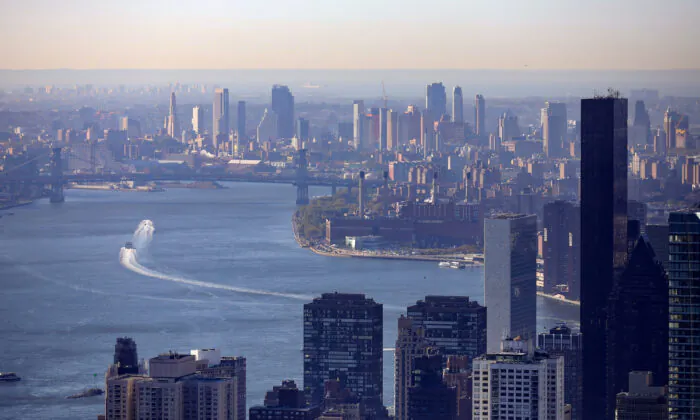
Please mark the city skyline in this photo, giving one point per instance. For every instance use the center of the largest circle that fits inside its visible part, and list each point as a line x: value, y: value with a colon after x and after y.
x: 602, y: 35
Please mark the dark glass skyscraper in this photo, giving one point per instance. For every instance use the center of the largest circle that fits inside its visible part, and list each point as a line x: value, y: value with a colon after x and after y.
x: 561, y: 247
x: 684, y: 309
x: 429, y: 398
x: 125, y: 356
x: 283, y: 106
x: 638, y: 321
x: 453, y: 324
x: 603, y: 234
x: 343, y: 338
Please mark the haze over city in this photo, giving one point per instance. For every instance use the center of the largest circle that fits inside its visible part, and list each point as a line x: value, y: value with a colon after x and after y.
x: 350, y: 210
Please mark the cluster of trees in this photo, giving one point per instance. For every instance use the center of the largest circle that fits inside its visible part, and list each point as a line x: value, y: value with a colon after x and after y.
x: 312, y: 218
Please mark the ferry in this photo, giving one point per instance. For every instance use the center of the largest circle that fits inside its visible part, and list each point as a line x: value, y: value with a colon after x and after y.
x: 444, y: 264
x: 9, y: 377
x: 129, y: 245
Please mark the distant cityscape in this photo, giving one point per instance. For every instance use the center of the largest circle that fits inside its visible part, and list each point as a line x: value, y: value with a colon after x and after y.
x: 587, y: 202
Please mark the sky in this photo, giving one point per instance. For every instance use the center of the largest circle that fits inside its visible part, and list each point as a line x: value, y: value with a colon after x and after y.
x: 350, y: 34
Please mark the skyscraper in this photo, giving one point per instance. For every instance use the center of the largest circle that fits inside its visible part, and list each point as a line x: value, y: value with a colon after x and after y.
x: 510, y: 277
x: 637, y: 321
x: 410, y: 344
x: 198, y: 119
x: 684, y: 306
x: 641, y: 121
x: 240, y: 122
x: 392, y: 129
x: 603, y: 234
x: 508, y: 126
x: 285, y: 402
x: 452, y: 324
x: 671, y: 122
x: 302, y: 129
x: 561, y: 247
x: 126, y: 356
x: 343, y: 337
x: 436, y: 100
x: 383, y: 126
x: 173, y: 123
x: 517, y: 382
x: 283, y: 106
x: 220, y: 127
x: 429, y: 398
x: 561, y: 341
x: 554, y: 130
x: 268, y: 127
x: 479, y: 115
x: 358, y: 115
x: 457, y: 105
x: 643, y: 401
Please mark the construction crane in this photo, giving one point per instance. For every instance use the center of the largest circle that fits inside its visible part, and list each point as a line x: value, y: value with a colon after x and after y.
x: 384, y: 97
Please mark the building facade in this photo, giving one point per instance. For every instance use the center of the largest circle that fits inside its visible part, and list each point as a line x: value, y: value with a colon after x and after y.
x: 343, y: 336
x: 554, y: 126
x: 684, y: 305
x: 453, y: 324
x: 562, y: 341
x: 221, y: 117
x: 561, y: 248
x: 603, y: 235
x: 457, y: 105
x: 480, y: 115
x: 510, y: 276
x: 283, y: 107
x: 518, y: 383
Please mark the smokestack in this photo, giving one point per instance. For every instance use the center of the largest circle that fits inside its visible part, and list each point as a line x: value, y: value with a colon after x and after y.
x: 433, y: 190
x: 362, y: 194
x: 385, y: 193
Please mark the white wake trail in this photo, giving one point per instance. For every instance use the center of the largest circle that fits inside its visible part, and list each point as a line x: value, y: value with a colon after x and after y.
x: 143, y: 236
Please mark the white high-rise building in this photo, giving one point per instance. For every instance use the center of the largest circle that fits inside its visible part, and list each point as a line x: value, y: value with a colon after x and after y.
x: 510, y: 277
x: 358, y: 115
x: 518, y: 383
x: 198, y: 119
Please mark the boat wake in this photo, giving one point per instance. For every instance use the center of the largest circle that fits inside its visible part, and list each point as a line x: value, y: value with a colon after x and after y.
x: 141, y: 240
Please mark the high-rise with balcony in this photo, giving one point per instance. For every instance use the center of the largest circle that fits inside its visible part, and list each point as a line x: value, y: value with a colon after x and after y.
x: 518, y: 382
x: 603, y: 235
x: 684, y: 309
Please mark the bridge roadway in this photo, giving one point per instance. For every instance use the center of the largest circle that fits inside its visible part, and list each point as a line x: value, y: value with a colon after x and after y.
x: 94, y: 178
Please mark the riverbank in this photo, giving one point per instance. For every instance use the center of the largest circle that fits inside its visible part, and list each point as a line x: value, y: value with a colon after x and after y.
x: 7, y: 206
x: 559, y: 298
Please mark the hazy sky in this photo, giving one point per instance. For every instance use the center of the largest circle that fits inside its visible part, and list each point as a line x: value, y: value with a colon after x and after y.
x: 350, y: 34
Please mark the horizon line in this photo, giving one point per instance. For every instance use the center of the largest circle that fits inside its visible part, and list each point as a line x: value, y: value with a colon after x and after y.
x: 352, y: 69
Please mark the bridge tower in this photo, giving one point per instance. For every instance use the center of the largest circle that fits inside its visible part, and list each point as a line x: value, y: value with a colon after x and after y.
x: 57, y: 177
x: 302, y: 179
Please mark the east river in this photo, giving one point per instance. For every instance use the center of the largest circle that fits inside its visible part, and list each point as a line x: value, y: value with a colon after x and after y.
x: 222, y: 270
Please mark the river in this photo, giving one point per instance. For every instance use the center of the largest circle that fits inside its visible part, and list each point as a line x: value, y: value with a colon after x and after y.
x: 221, y: 270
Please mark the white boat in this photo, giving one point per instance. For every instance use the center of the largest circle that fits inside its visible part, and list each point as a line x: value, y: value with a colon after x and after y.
x: 444, y: 264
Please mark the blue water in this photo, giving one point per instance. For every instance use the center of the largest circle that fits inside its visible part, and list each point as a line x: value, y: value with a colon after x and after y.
x: 66, y: 296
